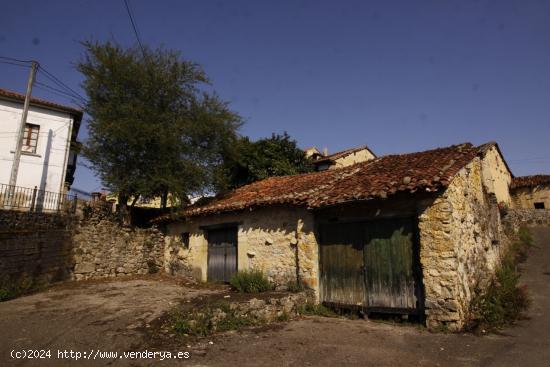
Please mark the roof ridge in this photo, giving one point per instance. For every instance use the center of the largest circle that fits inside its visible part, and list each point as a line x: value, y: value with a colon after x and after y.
x: 11, y: 95
x: 429, y: 170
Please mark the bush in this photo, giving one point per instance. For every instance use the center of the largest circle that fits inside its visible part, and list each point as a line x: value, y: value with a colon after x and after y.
x: 153, y: 267
x: 294, y: 287
x: 13, y: 288
x: 250, y: 281
x: 194, y: 324
x: 316, y: 310
x: 209, y: 320
x: 7, y: 293
x: 505, y: 300
x: 525, y: 236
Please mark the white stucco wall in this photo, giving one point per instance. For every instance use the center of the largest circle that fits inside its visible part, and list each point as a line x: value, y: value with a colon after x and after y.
x: 45, y: 169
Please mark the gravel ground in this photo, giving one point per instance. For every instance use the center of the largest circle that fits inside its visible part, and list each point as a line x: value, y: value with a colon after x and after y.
x: 117, y: 316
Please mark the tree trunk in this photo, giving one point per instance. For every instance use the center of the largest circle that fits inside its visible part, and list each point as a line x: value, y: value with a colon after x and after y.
x: 164, y: 200
x: 134, y: 201
x: 123, y: 214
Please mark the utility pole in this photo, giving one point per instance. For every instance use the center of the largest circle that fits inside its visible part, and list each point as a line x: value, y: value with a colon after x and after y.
x: 19, y: 141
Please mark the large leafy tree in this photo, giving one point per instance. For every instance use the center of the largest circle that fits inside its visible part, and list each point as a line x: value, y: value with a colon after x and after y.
x: 247, y: 161
x: 152, y: 127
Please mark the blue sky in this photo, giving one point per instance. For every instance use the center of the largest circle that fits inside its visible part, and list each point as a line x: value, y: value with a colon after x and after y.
x: 399, y: 76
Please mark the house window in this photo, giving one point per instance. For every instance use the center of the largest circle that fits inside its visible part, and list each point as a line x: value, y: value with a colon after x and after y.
x: 30, y: 138
x: 185, y: 239
x: 539, y: 205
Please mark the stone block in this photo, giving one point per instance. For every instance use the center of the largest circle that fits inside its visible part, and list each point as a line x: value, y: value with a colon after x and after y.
x: 84, y: 268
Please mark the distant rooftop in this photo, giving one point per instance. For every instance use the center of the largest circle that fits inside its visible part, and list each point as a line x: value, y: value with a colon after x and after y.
x: 17, y: 97
x: 530, y: 181
x: 342, y: 154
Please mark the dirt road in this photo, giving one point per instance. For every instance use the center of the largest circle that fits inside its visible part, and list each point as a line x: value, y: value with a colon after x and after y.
x: 334, y: 342
x: 110, y: 316
x: 85, y: 317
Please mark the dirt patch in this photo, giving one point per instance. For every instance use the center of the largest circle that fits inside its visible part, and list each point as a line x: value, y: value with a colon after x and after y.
x: 227, y: 295
x: 160, y: 333
x: 104, y: 315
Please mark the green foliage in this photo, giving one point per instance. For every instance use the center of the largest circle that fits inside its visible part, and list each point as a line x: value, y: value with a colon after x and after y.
x: 209, y: 320
x: 233, y: 321
x: 152, y: 267
x: 294, y: 287
x: 13, y: 288
x: 505, y: 300
x: 248, y: 161
x: 525, y: 237
x: 7, y: 293
x: 316, y: 310
x: 250, y: 281
x: 152, y: 128
x: 194, y: 323
x: 283, y: 317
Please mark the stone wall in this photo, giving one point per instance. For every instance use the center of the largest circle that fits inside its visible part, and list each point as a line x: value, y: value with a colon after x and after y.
x: 34, y: 247
x: 102, y: 248
x: 526, y: 197
x: 40, y: 248
x: 461, y: 242
x: 269, y: 309
x: 274, y: 240
x: 515, y: 218
x: 496, y: 176
x: 350, y: 159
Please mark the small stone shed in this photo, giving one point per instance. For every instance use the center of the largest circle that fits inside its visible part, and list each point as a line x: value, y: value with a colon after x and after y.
x: 339, y: 159
x: 411, y: 233
x: 531, y: 192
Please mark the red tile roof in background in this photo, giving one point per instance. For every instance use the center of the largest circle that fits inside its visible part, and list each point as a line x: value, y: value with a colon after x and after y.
x: 6, y: 94
x: 430, y: 171
x: 530, y: 181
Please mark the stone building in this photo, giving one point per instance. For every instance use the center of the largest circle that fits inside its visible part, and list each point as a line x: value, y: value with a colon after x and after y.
x: 531, y: 192
x: 323, y: 161
x: 412, y: 233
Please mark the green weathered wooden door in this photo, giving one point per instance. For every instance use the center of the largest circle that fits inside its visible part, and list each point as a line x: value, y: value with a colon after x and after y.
x: 369, y: 264
x: 389, y: 265
x: 341, y: 255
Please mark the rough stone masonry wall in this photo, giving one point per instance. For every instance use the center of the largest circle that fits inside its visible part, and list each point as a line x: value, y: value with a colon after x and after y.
x: 460, y: 247
x: 274, y: 240
x: 34, y: 247
x: 526, y: 197
x: 40, y: 248
x: 102, y: 248
x: 515, y: 218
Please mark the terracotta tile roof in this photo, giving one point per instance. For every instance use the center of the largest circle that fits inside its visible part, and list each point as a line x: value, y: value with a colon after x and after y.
x: 342, y: 154
x: 6, y: 94
x: 378, y: 178
x: 530, y: 181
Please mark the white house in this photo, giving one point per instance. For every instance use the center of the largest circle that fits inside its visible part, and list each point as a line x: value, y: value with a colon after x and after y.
x: 48, y: 158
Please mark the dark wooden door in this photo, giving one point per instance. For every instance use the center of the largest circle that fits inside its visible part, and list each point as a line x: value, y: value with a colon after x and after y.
x: 341, y: 252
x: 222, y: 254
x: 389, y: 265
x: 369, y: 264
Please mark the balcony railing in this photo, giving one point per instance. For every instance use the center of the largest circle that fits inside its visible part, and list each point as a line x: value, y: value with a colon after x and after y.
x: 33, y: 199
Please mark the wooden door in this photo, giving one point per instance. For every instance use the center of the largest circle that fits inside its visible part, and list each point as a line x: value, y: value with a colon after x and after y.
x: 369, y: 264
x: 389, y: 265
x: 222, y: 254
x: 341, y: 264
